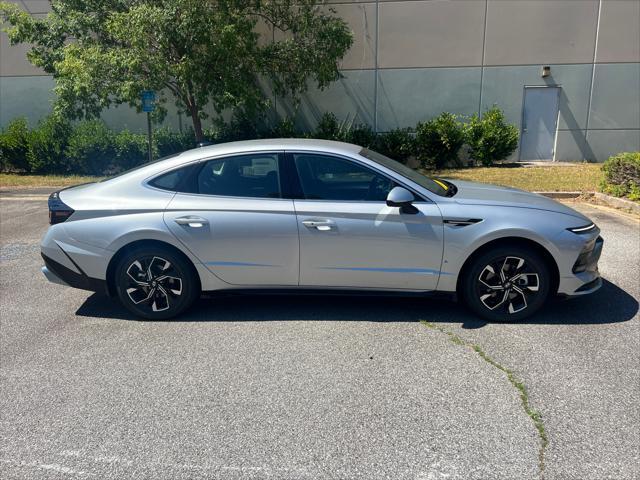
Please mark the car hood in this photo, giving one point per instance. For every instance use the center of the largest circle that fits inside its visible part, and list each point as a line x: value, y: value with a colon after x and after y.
x: 471, y: 193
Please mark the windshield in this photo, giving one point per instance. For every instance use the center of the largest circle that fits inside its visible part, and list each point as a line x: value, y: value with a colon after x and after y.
x: 439, y: 187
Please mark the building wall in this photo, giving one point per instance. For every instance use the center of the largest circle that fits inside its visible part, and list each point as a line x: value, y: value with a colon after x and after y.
x: 413, y: 59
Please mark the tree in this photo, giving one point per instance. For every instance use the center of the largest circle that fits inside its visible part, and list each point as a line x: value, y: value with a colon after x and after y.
x: 203, y: 53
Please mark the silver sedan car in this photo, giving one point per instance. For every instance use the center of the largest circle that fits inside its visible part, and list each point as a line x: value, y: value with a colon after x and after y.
x: 301, y: 215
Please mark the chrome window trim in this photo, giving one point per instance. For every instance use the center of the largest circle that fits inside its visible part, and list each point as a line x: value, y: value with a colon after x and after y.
x: 421, y: 198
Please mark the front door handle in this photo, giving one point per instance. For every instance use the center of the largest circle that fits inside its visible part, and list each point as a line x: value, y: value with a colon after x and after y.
x: 192, y: 221
x: 322, y: 225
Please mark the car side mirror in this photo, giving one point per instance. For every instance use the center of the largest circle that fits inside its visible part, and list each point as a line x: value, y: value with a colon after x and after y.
x: 403, y: 198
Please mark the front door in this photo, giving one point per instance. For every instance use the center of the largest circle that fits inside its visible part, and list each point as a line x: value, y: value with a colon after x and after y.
x: 350, y: 238
x: 539, y: 123
x: 236, y: 221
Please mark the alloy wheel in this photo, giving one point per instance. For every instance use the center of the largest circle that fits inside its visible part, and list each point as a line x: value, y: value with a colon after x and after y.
x: 153, y: 283
x: 508, y: 284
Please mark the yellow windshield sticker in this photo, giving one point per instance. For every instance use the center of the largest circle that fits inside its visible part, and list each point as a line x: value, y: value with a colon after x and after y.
x: 443, y: 185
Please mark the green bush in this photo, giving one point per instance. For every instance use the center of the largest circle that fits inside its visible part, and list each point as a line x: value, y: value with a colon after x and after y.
x: 91, y: 149
x: 242, y: 126
x: 361, y: 134
x: 47, y: 145
x: 14, y: 146
x: 330, y: 128
x: 439, y: 140
x: 622, y: 175
x: 285, y: 128
x: 131, y: 150
x: 491, y: 138
x: 167, y: 142
x: 398, y: 144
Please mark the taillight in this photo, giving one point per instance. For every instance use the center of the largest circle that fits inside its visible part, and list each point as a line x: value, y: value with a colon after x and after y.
x: 58, y: 210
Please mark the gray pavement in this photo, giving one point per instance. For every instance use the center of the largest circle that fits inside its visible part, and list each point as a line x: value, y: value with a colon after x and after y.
x: 312, y: 387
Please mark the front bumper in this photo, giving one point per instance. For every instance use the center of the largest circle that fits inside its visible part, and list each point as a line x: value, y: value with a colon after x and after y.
x: 588, y: 259
x: 585, y: 278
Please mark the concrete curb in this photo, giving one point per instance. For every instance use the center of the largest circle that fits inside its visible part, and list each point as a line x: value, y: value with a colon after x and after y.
x: 616, y: 202
x: 561, y: 195
x: 598, y: 198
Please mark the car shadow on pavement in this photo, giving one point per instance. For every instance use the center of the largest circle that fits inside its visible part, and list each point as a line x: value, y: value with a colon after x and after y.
x: 610, y: 304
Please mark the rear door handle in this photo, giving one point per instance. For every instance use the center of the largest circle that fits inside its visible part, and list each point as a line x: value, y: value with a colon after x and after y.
x: 322, y: 225
x: 192, y: 221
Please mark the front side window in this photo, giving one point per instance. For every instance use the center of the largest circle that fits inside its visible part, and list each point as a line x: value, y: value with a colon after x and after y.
x: 254, y: 175
x: 324, y: 177
x: 434, y: 186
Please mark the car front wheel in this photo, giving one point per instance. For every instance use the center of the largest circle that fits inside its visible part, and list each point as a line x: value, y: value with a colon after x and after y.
x: 155, y: 283
x: 506, y: 283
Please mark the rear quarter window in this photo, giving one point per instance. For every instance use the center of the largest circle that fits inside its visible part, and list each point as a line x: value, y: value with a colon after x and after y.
x: 173, y: 181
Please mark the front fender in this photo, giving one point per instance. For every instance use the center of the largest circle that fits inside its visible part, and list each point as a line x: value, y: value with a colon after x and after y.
x: 460, y: 242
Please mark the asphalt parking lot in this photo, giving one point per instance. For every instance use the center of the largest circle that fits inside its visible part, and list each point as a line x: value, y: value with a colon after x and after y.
x: 314, y: 387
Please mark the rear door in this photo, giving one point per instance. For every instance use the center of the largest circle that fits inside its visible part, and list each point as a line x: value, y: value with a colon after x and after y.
x: 349, y: 237
x: 235, y: 221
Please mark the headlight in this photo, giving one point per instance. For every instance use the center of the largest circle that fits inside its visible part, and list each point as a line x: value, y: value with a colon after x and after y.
x: 585, y: 229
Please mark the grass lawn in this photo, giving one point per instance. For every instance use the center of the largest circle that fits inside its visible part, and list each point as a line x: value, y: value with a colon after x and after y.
x: 583, y: 177
x: 19, y: 180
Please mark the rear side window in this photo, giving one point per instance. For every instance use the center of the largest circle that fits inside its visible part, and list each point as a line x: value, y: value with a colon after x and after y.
x: 255, y: 175
x: 170, y: 181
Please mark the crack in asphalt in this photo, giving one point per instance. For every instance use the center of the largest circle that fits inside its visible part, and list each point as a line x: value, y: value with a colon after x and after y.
x: 532, y: 413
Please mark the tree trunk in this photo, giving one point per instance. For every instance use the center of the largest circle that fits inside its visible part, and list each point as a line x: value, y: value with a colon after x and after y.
x: 197, y: 123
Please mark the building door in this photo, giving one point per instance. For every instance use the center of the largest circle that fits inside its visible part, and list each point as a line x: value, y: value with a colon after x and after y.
x: 539, y: 123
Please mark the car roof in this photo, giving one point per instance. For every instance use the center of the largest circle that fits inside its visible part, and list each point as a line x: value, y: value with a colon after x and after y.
x: 231, y: 148
x: 268, y: 144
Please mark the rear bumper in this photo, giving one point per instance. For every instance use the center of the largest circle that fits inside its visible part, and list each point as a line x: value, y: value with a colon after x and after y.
x: 52, y: 277
x: 57, y: 273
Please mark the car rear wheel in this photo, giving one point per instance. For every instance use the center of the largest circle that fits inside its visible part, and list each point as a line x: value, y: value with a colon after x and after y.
x: 155, y: 283
x: 507, y: 283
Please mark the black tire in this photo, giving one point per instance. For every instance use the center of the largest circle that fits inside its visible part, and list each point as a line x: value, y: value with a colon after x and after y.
x: 155, y: 282
x: 517, y: 294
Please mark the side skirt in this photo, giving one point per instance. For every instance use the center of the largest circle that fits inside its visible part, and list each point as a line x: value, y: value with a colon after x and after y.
x: 327, y: 292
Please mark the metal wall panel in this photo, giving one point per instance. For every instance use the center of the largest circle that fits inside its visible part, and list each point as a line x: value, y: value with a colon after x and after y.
x: 619, y: 32
x: 430, y: 34
x: 351, y: 97
x: 361, y: 17
x: 540, y: 32
x: 615, y: 101
x: 572, y: 146
x: 408, y: 96
x: 29, y: 97
x: 605, y: 143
